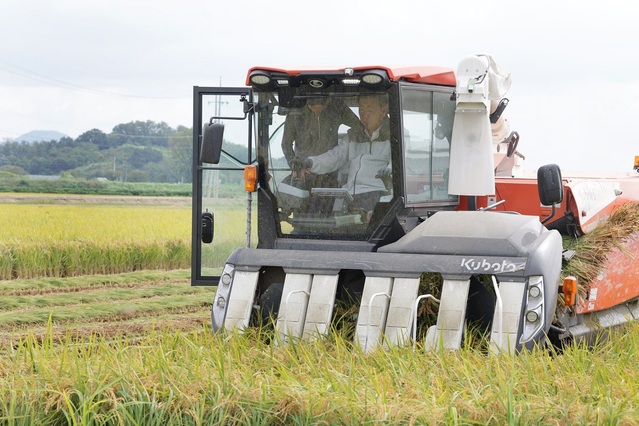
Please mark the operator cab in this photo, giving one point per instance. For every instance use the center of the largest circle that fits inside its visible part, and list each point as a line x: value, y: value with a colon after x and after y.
x: 412, y: 166
x: 403, y: 168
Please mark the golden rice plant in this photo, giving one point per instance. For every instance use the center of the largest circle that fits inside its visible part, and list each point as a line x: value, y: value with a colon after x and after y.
x: 69, y: 240
x: 236, y: 379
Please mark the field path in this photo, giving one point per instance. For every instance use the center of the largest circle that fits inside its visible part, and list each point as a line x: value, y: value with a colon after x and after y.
x: 10, y: 198
x: 111, y: 306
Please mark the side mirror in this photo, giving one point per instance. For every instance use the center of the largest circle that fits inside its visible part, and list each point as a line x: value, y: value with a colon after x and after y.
x: 212, y: 136
x: 551, y: 188
x: 207, y: 227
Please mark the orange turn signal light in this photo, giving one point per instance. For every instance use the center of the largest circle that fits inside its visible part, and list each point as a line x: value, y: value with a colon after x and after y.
x: 570, y: 290
x: 250, y: 178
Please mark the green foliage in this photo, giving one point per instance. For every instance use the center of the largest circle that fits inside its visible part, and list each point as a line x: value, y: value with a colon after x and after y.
x: 143, y: 133
x: 135, y: 151
x: 139, y: 151
x: 6, y: 175
x: 96, y: 137
x: 68, y: 185
x: 12, y: 170
x: 180, y: 152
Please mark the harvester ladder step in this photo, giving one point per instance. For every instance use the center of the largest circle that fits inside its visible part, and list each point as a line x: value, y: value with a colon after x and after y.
x: 320, y: 305
x: 240, y: 303
x: 373, y: 310
x: 292, y: 313
x: 503, y: 337
x: 400, y: 312
x: 448, y: 331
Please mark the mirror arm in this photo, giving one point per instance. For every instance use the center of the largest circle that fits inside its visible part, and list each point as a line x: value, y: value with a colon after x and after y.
x: 552, y: 214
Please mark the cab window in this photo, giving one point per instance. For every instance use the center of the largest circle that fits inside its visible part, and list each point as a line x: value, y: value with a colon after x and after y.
x: 427, y: 119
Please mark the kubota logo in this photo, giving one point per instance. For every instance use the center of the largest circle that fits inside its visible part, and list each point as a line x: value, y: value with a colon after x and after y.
x: 484, y: 265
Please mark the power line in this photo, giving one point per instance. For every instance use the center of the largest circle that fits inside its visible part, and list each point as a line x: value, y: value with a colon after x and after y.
x: 124, y: 135
x: 148, y: 137
x: 32, y: 75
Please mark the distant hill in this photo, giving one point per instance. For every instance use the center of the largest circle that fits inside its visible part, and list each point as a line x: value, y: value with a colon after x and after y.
x: 40, y: 136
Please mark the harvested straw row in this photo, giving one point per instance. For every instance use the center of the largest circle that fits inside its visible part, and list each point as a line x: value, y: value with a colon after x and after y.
x: 591, y: 250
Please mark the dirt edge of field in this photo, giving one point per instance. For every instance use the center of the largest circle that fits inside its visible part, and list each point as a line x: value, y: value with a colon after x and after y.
x: 14, y: 198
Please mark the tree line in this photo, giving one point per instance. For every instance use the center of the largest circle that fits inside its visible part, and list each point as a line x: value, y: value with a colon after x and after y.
x: 139, y: 151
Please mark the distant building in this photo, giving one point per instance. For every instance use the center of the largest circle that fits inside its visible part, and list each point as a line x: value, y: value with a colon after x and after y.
x: 44, y: 177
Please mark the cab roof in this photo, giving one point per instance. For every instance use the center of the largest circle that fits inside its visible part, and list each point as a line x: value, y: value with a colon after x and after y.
x: 443, y: 76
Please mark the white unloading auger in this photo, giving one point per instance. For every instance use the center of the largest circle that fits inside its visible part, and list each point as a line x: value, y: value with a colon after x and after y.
x: 481, y: 86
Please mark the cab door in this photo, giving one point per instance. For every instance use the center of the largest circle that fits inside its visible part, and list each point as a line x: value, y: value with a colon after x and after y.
x: 219, y: 222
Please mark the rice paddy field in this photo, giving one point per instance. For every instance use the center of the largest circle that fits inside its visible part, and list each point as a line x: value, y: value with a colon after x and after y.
x: 99, y: 326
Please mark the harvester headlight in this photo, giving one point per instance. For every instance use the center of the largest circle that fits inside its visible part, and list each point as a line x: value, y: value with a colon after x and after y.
x: 260, y: 79
x: 226, y: 279
x: 534, y: 291
x: 534, y: 309
x: 375, y: 78
x: 532, y: 316
x: 222, y: 295
x: 372, y: 79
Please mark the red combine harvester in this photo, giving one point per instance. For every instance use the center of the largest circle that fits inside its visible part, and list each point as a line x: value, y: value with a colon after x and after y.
x: 422, y: 203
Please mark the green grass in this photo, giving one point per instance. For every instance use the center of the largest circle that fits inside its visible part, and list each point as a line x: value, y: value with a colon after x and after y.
x: 21, y: 184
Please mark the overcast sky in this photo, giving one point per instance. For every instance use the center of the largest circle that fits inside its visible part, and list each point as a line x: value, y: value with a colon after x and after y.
x: 76, y: 65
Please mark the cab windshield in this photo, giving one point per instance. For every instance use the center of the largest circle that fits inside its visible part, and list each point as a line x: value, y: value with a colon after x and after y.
x: 327, y: 160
